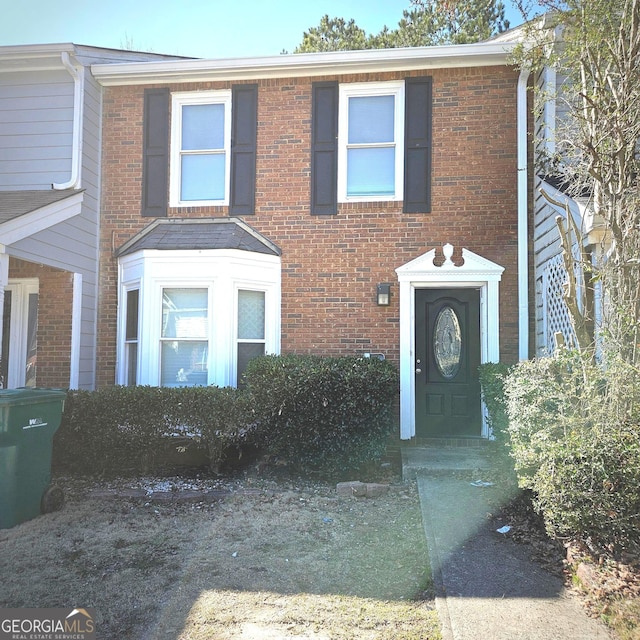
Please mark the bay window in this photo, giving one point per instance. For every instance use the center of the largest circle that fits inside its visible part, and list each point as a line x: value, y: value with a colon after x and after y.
x: 191, y: 318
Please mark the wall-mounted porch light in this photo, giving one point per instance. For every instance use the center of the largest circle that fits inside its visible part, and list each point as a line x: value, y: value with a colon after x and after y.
x: 383, y: 295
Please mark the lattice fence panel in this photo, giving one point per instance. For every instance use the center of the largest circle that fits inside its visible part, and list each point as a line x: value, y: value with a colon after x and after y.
x: 556, y: 313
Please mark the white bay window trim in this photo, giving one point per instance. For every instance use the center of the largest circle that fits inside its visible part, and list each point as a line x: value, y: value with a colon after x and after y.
x: 182, y: 99
x: 223, y: 273
x: 364, y: 90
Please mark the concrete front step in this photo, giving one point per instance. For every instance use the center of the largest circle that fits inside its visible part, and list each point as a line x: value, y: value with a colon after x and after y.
x: 441, y: 460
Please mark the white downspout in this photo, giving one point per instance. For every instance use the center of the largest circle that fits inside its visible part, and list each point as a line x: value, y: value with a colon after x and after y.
x: 76, y: 329
x: 77, y: 73
x: 523, y: 215
x: 4, y: 281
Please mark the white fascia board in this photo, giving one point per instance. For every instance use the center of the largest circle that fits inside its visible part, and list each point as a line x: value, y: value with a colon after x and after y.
x: 305, y: 64
x: 31, y: 223
x: 34, y: 57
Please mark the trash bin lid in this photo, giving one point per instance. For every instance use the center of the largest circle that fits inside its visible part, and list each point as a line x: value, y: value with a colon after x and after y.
x: 29, y: 395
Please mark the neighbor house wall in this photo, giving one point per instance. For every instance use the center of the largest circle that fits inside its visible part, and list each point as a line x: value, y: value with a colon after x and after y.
x: 73, y: 245
x: 36, y: 128
x: 54, y: 320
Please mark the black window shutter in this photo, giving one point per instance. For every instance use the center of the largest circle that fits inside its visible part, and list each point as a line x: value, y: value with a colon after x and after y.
x: 324, y: 148
x: 244, y: 127
x: 417, y: 145
x: 155, y: 163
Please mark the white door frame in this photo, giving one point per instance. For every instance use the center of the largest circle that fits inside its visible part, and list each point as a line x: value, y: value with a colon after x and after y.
x: 21, y: 289
x: 476, y: 272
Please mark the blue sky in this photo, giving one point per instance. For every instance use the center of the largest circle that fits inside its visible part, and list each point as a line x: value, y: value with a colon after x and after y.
x: 198, y: 28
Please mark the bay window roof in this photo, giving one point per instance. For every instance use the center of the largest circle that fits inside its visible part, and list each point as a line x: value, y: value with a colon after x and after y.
x: 170, y: 234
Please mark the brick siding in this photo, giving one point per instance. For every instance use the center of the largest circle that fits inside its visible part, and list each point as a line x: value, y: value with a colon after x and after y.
x: 331, y: 265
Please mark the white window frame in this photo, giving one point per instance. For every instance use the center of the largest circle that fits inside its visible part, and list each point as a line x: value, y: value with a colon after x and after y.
x: 364, y: 89
x: 189, y: 98
x: 222, y: 273
x: 209, y: 336
x: 268, y: 310
x: 127, y: 343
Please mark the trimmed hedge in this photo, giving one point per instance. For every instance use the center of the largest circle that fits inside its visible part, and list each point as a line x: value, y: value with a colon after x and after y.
x: 322, y: 414
x: 313, y: 413
x: 117, y: 430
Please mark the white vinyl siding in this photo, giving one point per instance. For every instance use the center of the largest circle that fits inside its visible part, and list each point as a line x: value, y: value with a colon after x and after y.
x: 36, y: 129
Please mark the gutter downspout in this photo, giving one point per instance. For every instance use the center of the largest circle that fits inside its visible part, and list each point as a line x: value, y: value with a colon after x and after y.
x: 4, y: 281
x: 77, y: 73
x: 523, y: 215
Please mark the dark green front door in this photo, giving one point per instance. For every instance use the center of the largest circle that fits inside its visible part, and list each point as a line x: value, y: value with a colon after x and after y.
x: 447, y: 359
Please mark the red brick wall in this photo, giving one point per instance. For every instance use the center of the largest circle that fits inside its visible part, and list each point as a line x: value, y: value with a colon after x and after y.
x: 331, y: 265
x: 54, y: 320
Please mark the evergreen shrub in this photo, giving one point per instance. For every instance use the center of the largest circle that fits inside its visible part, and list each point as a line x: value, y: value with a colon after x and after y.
x: 321, y: 413
x: 575, y: 438
x: 129, y: 430
x: 313, y: 413
x: 492, y: 377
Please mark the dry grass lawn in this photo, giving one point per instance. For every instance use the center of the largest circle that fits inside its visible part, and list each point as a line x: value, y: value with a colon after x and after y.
x: 267, y: 561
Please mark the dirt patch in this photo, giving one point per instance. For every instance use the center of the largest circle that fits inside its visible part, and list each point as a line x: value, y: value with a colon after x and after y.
x: 196, y: 559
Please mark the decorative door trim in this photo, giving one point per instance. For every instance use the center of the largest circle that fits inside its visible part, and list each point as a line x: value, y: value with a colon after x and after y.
x: 421, y: 273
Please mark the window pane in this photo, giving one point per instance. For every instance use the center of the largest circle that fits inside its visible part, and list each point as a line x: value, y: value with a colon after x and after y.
x: 251, y: 315
x: 247, y: 351
x: 447, y: 342
x: 371, y: 172
x: 184, y: 313
x: 131, y: 332
x: 371, y: 119
x: 202, y: 127
x: 203, y: 177
x: 132, y: 364
x: 183, y: 363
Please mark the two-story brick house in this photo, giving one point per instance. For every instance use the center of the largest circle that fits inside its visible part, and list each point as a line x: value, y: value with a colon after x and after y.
x: 345, y: 203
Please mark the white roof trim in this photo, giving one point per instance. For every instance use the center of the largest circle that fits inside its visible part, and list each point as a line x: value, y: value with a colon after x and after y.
x: 581, y: 209
x: 34, y: 57
x: 305, y: 64
x: 473, y: 268
x: 31, y: 223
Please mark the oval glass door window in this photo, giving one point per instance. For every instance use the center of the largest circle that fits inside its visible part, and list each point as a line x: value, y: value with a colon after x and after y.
x: 447, y: 342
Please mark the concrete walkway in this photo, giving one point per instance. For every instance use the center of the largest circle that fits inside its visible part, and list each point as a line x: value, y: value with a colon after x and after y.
x: 487, y: 587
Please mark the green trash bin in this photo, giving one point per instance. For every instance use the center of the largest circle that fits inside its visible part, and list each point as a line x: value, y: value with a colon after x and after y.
x: 29, y: 419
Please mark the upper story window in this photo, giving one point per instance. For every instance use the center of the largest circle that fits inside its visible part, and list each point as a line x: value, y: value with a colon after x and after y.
x: 200, y: 148
x: 370, y: 141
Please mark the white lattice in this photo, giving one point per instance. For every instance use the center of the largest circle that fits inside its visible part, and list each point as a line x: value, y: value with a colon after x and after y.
x: 555, y: 312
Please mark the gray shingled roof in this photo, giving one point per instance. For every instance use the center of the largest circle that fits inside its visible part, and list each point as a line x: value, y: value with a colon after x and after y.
x: 199, y: 233
x: 16, y: 203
